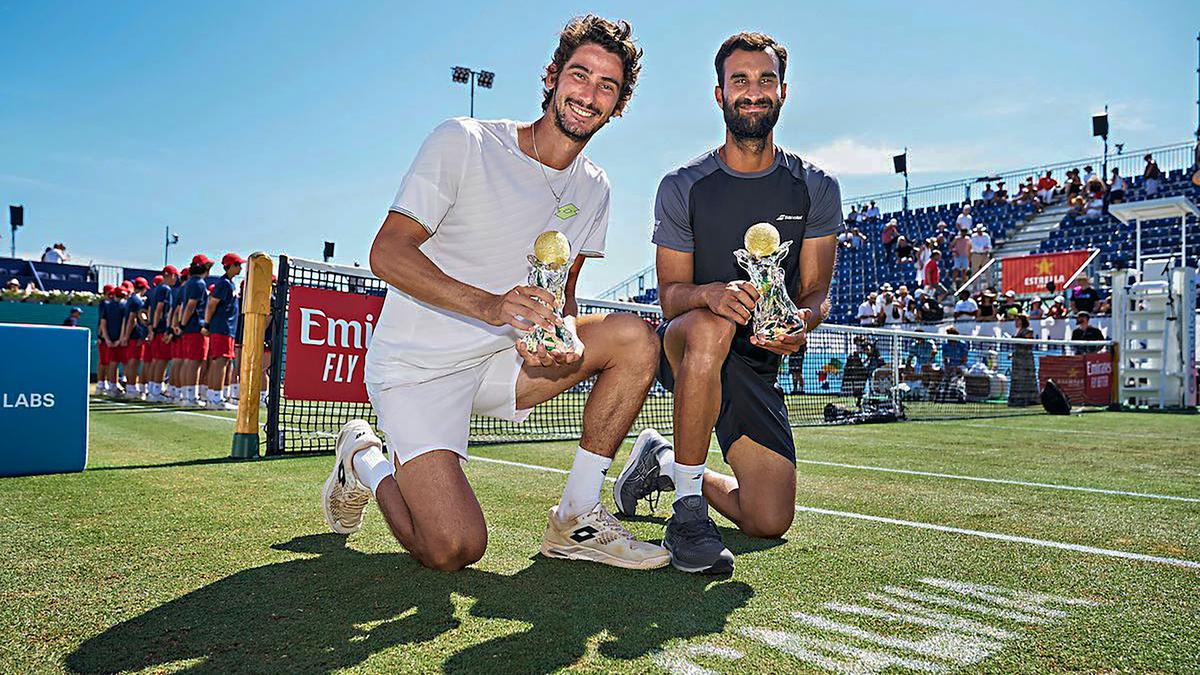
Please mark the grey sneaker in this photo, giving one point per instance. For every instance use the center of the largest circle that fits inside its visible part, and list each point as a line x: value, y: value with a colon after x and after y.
x: 693, y: 539
x: 640, y: 478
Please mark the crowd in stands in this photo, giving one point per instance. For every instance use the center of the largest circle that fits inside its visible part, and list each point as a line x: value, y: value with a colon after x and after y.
x: 56, y: 254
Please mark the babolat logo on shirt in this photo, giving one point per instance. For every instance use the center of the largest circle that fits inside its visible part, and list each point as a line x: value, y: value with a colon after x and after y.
x: 788, y: 216
x: 566, y: 211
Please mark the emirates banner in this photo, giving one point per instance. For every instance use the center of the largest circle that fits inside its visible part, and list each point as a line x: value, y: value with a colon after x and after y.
x: 327, y: 337
x: 1086, y: 379
x: 1030, y: 274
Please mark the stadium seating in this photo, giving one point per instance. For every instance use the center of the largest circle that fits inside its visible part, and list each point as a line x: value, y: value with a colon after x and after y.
x: 1117, y: 242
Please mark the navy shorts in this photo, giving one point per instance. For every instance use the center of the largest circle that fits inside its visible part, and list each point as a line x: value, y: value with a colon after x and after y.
x: 752, y: 404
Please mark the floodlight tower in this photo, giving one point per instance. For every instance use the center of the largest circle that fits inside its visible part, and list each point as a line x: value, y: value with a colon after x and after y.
x: 462, y: 75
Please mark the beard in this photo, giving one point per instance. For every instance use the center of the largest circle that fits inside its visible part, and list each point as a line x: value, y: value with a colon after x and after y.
x: 754, y: 127
x: 577, y: 133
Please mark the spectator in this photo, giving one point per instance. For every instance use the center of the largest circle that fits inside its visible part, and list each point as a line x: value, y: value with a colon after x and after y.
x: 893, y: 310
x: 1035, y: 309
x: 965, y: 309
x: 1083, y: 296
x: 1089, y: 173
x: 1074, y: 184
x: 1027, y: 193
x: 923, y: 255
x: 1058, y: 309
x: 964, y: 220
x: 72, y: 318
x: 933, y: 276
x: 1095, y: 204
x: 1010, y: 304
x: 954, y: 355
x: 1001, y: 194
x: 883, y: 299
x: 942, y: 228
x: 50, y: 255
x: 1085, y: 331
x: 987, y: 305
x: 929, y: 309
x: 866, y: 311
x: 1105, y: 306
x: 910, y: 309
x: 852, y: 217
x: 988, y: 193
x: 889, y: 234
x: 1046, y: 185
x: 902, y: 294
x: 904, y: 250
x: 1116, y: 187
x: 13, y: 285
x: 873, y: 214
x: 1023, y: 390
x: 857, y: 239
x: 960, y: 248
x: 1152, y: 176
x: 981, y: 248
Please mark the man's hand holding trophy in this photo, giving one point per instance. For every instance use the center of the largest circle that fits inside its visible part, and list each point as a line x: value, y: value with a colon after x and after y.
x: 553, y: 342
x: 779, y: 326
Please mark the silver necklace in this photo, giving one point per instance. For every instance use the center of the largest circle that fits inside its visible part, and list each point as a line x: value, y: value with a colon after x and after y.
x: 557, y: 195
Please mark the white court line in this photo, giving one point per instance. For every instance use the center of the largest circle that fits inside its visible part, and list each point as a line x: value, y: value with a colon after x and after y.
x: 1045, y: 543
x: 978, y: 479
x: 863, y: 467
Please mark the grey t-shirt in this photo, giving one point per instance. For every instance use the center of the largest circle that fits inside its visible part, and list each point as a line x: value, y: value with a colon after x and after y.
x: 705, y: 207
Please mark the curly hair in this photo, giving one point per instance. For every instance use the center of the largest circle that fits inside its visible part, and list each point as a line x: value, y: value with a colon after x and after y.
x: 613, y: 37
x: 751, y: 42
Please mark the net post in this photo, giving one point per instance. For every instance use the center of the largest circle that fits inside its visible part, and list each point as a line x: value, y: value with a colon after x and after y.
x: 275, y: 377
x: 1114, y: 395
x: 256, y: 304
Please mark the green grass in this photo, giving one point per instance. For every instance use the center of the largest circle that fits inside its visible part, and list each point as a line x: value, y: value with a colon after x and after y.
x: 163, y: 556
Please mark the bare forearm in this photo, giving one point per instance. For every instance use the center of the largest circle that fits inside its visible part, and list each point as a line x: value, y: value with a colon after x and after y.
x: 411, y: 271
x: 816, y: 300
x: 680, y: 297
x: 210, y: 309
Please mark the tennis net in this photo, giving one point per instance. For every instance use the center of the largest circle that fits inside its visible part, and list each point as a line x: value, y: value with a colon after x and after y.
x: 845, y: 374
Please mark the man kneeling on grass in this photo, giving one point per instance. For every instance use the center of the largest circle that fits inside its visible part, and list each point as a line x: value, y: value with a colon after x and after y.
x: 721, y: 374
x: 454, y: 252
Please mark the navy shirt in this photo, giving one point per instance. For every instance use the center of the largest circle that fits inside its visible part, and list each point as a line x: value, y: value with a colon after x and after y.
x: 705, y: 208
x: 225, y: 316
x: 135, y: 305
x: 177, y: 295
x: 161, y: 295
x: 195, y: 289
x: 114, y: 317
x: 101, y: 313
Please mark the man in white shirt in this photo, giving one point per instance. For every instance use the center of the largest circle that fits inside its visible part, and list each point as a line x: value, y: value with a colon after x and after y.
x: 453, y: 251
x: 866, y: 311
x: 964, y: 221
x: 966, y: 309
x: 981, y: 248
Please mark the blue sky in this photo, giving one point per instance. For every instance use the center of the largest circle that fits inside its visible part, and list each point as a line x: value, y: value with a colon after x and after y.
x: 277, y: 125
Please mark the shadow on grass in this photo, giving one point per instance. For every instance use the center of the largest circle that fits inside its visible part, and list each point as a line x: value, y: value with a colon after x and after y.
x: 201, y: 462
x: 336, y: 608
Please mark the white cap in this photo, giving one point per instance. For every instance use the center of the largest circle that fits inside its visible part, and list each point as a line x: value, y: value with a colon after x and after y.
x: 1059, y: 298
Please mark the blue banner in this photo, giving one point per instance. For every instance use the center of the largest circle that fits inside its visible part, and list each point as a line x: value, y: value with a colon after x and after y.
x: 43, y: 399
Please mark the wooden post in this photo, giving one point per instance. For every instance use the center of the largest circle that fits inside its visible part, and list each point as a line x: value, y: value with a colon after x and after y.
x: 256, y: 305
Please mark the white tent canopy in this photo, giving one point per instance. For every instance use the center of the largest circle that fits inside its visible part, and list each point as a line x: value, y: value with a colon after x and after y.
x: 1157, y: 209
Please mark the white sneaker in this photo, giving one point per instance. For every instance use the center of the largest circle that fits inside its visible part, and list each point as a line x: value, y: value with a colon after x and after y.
x: 344, y: 498
x: 599, y: 537
x: 222, y: 405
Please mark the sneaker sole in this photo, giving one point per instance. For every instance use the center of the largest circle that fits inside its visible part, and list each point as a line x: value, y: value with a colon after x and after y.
x: 635, y: 454
x: 333, y: 523
x: 583, y: 553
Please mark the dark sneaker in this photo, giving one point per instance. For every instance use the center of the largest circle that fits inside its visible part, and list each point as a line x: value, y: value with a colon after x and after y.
x: 640, y: 478
x: 693, y: 539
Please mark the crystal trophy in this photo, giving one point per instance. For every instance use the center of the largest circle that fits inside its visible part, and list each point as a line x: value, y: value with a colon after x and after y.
x: 775, y: 315
x: 548, y: 270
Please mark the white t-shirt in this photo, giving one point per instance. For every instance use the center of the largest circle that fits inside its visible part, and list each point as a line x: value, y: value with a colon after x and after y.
x: 52, y: 256
x: 968, y: 305
x: 981, y: 243
x: 866, y: 313
x: 964, y: 221
x: 483, y: 201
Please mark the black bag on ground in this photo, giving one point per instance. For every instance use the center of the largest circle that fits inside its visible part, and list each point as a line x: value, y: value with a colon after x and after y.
x: 1054, y: 400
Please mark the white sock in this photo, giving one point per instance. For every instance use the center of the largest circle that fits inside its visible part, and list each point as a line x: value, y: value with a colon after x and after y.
x: 372, y: 467
x: 234, y: 390
x: 155, y: 388
x: 214, y: 397
x: 582, y: 493
x: 688, y: 480
x: 666, y: 463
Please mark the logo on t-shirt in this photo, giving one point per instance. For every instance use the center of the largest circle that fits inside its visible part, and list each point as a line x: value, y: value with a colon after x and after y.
x: 788, y: 216
x: 566, y: 211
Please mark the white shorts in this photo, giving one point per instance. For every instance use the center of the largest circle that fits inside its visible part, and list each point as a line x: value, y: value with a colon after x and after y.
x: 436, y: 414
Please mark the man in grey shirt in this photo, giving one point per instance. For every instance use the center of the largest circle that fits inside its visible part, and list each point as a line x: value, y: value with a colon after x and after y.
x: 722, y: 374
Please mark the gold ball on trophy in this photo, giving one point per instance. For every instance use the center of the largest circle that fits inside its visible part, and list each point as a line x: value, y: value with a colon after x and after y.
x: 552, y: 248
x: 762, y: 240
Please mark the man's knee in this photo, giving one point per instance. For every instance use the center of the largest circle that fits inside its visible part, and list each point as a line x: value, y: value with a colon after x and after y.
x: 452, y: 551
x: 767, y: 524
x: 707, y: 338
x: 633, y: 336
